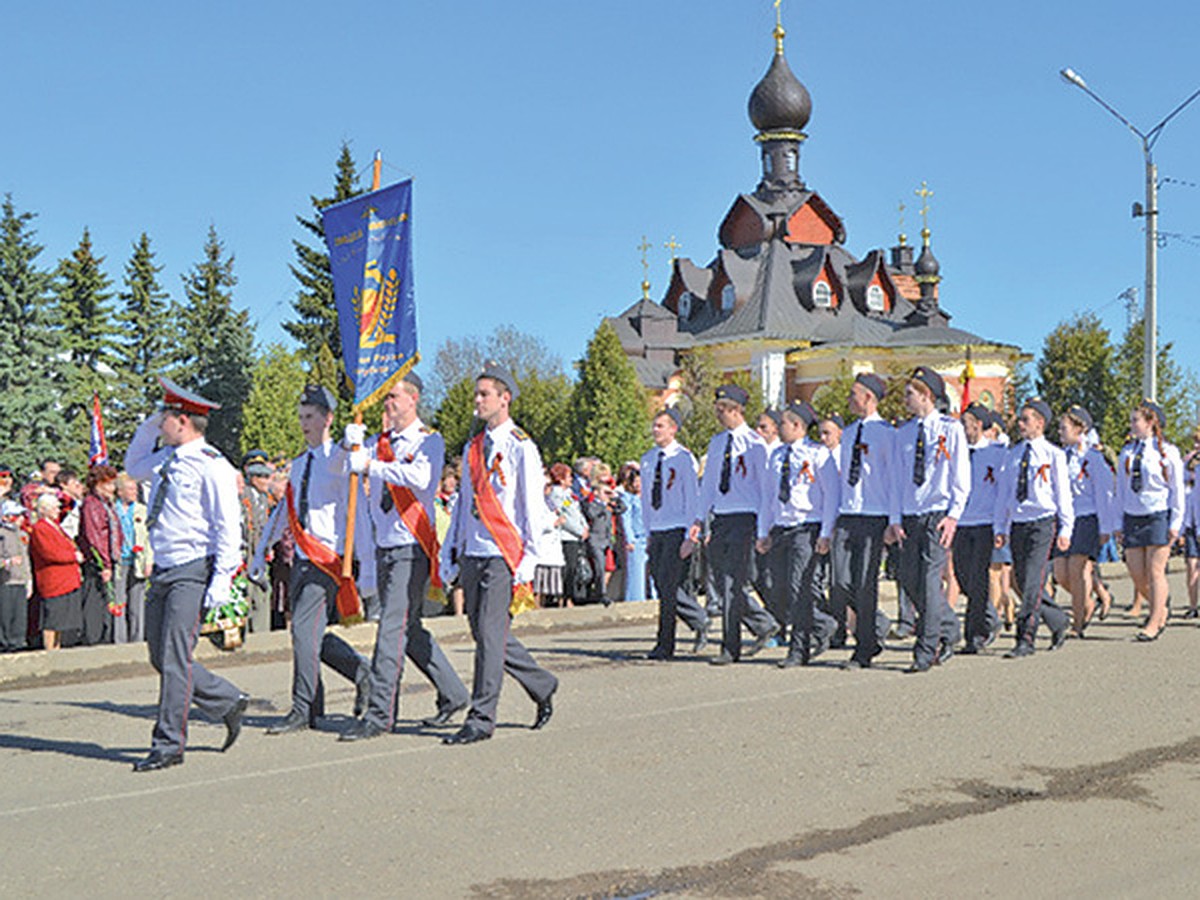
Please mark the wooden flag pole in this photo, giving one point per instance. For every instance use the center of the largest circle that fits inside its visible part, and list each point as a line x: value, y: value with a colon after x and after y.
x: 352, y: 502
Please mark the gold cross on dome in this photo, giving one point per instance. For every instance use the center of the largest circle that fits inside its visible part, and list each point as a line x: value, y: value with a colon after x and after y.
x: 924, y: 193
x: 644, y: 246
x: 673, y: 245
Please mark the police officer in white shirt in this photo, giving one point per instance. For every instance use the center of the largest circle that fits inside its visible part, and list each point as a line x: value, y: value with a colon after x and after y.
x: 734, y: 474
x: 194, y: 521
x: 799, y: 506
x: 320, y: 490
x: 494, y: 540
x: 973, y: 539
x: 1032, y: 506
x: 868, y: 503
x: 934, y: 479
x: 404, y: 463
x: 670, y: 497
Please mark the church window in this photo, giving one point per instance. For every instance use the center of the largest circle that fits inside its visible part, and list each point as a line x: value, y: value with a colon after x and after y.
x: 790, y: 160
x: 685, y: 305
x: 727, y: 298
x: 768, y: 164
x: 876, y: 301
x: 823, y: 294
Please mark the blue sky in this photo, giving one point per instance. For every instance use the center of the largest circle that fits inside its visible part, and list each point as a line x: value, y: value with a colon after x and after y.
x: 546, y: 138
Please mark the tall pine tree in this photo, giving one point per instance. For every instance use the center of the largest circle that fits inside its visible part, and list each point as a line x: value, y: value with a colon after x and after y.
x: 316, y: 323
x: 31, y: 423
x: 83, y: 315
x: 145, y: 333
x: 216, y: 343
x: 610, y: 409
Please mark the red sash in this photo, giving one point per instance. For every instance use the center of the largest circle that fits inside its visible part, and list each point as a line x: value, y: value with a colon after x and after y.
x: 412, y: 512
x: 491, y: 513
x: 348, y: 605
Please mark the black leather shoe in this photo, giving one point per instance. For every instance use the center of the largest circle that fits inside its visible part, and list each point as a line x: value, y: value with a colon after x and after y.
x: 762, y: 640
x: 969, y: 649
x: 361, y: 730
x: 944, y: 654
x: 362, y: 694
x: 701, y: 640
x: 545, y: 710
x: 158, y: 760
x: 443, y: 717
x: 792, y: 661
x: 293, y: 721
x: 233, y: 721
x: 721, y: 659
x: 468, y: 734
x: 1057, y: 639
x: 990, y: 639
x: 1018, y: 652
x: 659, y: 655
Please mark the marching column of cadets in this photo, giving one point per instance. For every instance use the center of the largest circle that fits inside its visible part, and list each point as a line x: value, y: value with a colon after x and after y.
x: 803, y: 521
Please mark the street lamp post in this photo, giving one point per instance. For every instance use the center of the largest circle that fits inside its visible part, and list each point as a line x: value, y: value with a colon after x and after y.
x: 1147, y: 140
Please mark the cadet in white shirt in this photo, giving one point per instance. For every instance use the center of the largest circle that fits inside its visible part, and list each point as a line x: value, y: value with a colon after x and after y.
x: 1033, y: 504
x: 194, y: 521
x: 734, y: 474
x: 668, y: 508
x: 1093, y: 492
x: 319, y: 492
x: 402, y: 464
x: 494, y: 536
x: 798, y: 507
x: 868, y: 503
x: 762, y: 566
x: 973, y: 538
x: 934, y: 479
x: 1151, y: 497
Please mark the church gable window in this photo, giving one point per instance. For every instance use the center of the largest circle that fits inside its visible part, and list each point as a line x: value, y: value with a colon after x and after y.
x: 876, y: 298
x: 823, y: 295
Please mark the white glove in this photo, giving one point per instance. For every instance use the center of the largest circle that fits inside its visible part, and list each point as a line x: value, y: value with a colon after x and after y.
x: 360, y: 460
x: 214, y: 598
x: 524, y: 573
x: 356, y: 435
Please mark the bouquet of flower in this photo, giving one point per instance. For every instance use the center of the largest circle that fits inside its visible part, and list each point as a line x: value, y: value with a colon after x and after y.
x: 225, y: 624
x: 115, y: 607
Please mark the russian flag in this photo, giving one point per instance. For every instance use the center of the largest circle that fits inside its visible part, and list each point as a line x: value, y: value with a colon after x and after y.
x: 98, y: 453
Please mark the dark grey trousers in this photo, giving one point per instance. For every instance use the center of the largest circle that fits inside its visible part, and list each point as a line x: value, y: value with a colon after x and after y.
x: 173, y: 613
x: 403, y: 573
x: 973, y: 545
x: 1031, y: 543
x: 14, y: 617
x: 796, y: 585
x: 922, y: 562
x: 859, y: 542
x: 669, y: 574
x: 313, y: 596
x: 487, y: 588
x: 728, y: 573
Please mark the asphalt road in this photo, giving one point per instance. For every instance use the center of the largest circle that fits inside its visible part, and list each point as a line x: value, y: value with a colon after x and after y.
x: 1075, y: 773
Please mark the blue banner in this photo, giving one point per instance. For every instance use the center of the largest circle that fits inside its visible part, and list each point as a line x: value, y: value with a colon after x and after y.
x: 370, y: 254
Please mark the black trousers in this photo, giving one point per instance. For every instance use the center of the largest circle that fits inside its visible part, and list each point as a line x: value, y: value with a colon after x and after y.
x: 856, y: 577
x: 728, y: 573
x: 796, y: 586
x: 1031, y: 543
x: 972, y: 559
x: 669, y: 574
x: 922, y: 561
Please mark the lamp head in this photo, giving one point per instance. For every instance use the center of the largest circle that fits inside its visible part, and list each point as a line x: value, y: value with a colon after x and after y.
x: 1070, y: 76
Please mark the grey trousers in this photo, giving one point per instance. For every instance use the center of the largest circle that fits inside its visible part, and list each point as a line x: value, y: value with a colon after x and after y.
x: 859, y: 542
x: 922, y: 562
x: 669, y: 574
x: 313, y: 596
x: 259, y: 620
x: 973, y: 545
x: 1031, y: 543
x: 129, y: 628
x: 14, y: 617
x: 728, y: 573
x: 403, y: 573
x: 173, y: 613
x: 487, y: 588
x: 796, y: 585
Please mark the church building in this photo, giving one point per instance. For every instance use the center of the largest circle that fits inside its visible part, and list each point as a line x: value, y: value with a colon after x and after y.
x: 784, y: 300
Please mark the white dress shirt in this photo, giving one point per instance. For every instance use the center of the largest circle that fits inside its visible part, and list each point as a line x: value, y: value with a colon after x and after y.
x: 947, y: 468
x: 1093, y: 487
x: 987, y: 471
x: 680, y: 488
x: 812, y: 488
x: 875, y: 494
x: 1162, y: 481
x: 419, y: 456
x: 328, y: 491
x: 1049, y: 491
x: 747, y: 469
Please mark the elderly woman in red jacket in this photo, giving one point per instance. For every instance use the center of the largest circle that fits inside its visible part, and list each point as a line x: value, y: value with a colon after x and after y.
x: 55, y: 561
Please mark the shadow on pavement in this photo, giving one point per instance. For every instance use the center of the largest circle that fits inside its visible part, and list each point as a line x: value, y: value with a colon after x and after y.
x: 81, y: 749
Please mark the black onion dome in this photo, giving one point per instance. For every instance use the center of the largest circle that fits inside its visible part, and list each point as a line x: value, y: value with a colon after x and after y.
x: 927, y: 264
x: 780, y: 102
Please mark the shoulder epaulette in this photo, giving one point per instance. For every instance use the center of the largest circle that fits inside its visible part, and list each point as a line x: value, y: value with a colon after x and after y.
x: 520, y: 433
x: 211, y: 453
x: 425, y: 429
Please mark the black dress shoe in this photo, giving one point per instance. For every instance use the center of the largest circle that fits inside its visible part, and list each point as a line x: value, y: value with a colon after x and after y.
x: 944, y: 654
x: 721, y: 659
x: 701, y: 640
x: 761, y: 640
x: 659, y: 655
x: 233, y: 720
x: 443, y: 717
x: 1192, y: 613
x: 545, y: 710
x: 293, y: 721
x: 1058, y: 638
x: 969, y: 649
x: 855, y: 663
x: 158, y: 760
x: 792, y: 661
x: 468, y: 734
x: 362, y: 694
x: 361, y: 730
x: 1020, y: 651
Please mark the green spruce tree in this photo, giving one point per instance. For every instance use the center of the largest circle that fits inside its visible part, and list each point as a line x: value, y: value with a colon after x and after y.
x: 145, y: 334
x: 31, y: 422
x: 610, y: 409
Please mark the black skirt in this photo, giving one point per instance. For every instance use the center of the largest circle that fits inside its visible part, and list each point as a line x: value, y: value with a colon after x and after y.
x: 62, y: 613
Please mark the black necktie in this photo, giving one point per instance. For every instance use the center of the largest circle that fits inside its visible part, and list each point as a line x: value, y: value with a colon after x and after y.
x: 785, y: 476
x: 487, y: 447
x: 657, y: 489
x: 855, y: 458
x: 727, y: 464
x: 919, y: 457
x: 160, y: 496
x: 1023, y: 475
x: 304, y: 489
x: 1136, y: 481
